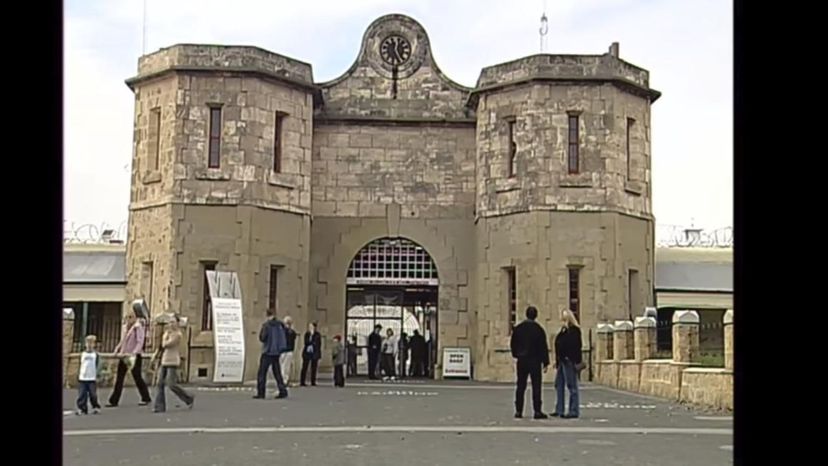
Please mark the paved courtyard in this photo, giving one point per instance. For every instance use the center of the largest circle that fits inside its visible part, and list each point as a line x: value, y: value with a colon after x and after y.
x: 414, y: 423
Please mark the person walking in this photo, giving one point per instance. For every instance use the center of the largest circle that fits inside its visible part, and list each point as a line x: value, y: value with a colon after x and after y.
x: 568, y: 363
x: 353, y: 351
x: 311, y: 353
x: 274, y: 343
x: 286, y: 358
x: 338, y: 354
x: 90, y: 367
x: 374, y: 351
x: 170, y: 361
x: 129, y: 351
x: 529, y: 347
x: 389, y: 353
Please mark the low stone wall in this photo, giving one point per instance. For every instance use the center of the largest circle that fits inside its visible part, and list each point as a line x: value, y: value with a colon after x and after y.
x: 708, y: 387
x: 677, y: 379
x: 109, y: 368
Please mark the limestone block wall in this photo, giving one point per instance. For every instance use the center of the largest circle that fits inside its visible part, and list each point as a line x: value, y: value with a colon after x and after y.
x: 678, y: 378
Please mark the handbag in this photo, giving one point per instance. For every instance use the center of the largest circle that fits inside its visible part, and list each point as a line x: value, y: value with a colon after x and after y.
x: 580, y: 366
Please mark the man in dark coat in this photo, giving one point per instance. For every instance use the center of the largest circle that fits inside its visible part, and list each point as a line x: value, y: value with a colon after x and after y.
x: 418, y: 352
x: 311, y: 353
x: 274, y: 343
x: 531, y: 350
x: 374, y: 350
x: 403, y: 354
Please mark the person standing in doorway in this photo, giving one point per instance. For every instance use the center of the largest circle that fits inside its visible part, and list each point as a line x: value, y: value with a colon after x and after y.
x: 170, y: 360
x: 129, y: 351
x: 311, y: 353
x: 529, y: 347
x: 418, y: 354
x: 90, y: 367
x: 567, y: 363
x: 403, y: 354
x: 274, y: 343
x: 353, y: 351
x: 389, y: 353
x: 374, y: 351
x: 338, y: 362
x: 286, y: 358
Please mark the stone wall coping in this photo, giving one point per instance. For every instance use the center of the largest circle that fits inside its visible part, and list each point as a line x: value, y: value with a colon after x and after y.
x: 728, y: 317
x: 686, y: 317
x: 708, y: 370
x: 650, y: 312
x: 68, y: 313
x: 628, y: 361
x: 657, y: 361
x: 622, y: 326
x: 604, y: 328
x: 645, y: 322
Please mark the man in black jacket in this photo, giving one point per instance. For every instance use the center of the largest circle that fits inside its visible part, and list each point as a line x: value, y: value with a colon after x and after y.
x: 274, y: 343
x: 531, y: 350
x: 374, y: 350
x: 311, y: 353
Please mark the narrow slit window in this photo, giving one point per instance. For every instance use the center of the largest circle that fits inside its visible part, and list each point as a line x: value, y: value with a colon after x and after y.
x: 512, y: 162
x: 575, y: 291
x: 155, y: 139
x: 214, y: 158
x: 511, y: 293
x: 277, y: 142
x: 573, y: 155
x: 273, y: 287
x: 630, y: 123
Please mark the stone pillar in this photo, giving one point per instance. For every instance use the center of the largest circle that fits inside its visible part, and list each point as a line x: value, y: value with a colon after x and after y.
x: 728, y: 339
x: 685, y: 336
x: 603, y: 348
x: 68, y: 333
x: 644, y: 337
x: 622, y: 344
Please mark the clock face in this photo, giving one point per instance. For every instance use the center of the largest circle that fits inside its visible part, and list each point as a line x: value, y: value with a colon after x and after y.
x: 395, y: 50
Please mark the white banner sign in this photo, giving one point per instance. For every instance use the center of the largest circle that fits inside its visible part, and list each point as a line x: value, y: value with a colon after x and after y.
x: 228, y: 336
x: 457, y: 362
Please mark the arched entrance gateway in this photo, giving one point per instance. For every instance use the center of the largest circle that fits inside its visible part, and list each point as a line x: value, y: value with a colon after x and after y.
x: 392, y: 282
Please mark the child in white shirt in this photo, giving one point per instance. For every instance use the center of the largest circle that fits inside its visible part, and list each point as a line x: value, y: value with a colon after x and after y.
x: 90, y: 364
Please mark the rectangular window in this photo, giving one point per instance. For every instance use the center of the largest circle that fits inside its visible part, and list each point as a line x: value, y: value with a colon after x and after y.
x: 630, y: 123
x: 512, y: 162
x: 633, y: 294
x: 277, y: 142
x: 273, y: 287
x: 214, y: 158
x: 154, y: 139
x: 575, y: 291
x: 573, y: 157
x: 511, y: 294
x: 206, y: 305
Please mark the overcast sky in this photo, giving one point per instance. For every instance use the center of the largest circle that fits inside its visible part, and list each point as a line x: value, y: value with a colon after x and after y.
x: 686, y: 45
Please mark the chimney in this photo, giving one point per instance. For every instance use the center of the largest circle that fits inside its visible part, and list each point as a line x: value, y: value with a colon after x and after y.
x: 613, y: 50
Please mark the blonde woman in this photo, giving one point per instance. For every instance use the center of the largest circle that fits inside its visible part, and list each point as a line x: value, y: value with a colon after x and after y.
x: 170, y: 360
x: 567, y: 363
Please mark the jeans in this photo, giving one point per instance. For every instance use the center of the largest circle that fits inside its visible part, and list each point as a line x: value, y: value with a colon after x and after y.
x: 267, y: 361
x: 526, y: 369
x: 115, y: 397
x: 567, y: 377
x: 169, y: 378
x: 286, y: 363
x: 87, y: 390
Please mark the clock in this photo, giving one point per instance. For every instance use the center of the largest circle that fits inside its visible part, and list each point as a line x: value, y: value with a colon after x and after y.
x: 395, y: 50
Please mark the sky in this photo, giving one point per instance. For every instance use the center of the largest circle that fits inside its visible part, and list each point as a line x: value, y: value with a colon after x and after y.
x: 686, y: 45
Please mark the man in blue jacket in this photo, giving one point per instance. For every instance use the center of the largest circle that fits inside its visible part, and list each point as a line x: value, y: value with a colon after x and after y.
x: 274, y: 343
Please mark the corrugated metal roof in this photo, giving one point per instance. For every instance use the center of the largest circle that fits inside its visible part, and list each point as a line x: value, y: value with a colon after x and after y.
x: 94, y: 266
x: 694, y: 269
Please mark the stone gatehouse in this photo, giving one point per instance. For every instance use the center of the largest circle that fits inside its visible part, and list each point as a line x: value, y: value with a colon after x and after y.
x: 392, y: 194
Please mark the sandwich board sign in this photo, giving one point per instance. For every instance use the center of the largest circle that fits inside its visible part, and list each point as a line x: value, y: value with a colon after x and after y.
x: 228, y: 326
